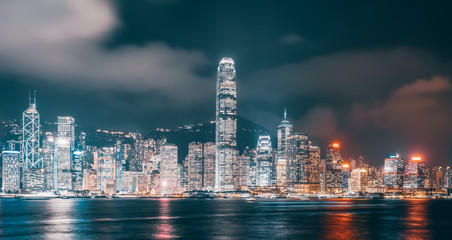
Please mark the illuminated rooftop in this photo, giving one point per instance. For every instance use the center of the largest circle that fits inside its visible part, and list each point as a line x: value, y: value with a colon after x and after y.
x: 227, y: 60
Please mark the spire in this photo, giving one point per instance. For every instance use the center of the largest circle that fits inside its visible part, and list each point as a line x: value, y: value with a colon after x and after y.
x: 34, y: 100
x: 285, y: 113
x: 29, y: 98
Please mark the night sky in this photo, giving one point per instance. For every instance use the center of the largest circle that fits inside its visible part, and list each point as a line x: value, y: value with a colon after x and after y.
x: 375, y: 76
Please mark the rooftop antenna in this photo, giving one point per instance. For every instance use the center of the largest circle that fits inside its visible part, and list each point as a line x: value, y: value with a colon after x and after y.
x: 29, y: 98
x: 285, y: 113
x: 35, y: 98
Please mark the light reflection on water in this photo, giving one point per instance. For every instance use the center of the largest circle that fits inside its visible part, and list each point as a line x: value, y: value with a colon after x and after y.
x: 164, y: 228
x: 59, y: 221
x: 416, y: 220
x: 224, y: 219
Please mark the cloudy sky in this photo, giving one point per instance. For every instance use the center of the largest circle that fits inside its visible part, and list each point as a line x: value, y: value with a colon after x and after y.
x: 375, y: 76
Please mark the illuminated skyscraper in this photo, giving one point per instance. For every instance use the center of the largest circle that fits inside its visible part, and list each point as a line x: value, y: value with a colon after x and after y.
x: 298, y: 159
x: 345, y: 177
x: 414, y: 174
x: 104, y: 162
x: 168, y: 160
x: 30, y: 137
x: 48, y: 154
x: 313, y: 166
x: 358, y: 180
x: 33, y: 173
x: 10, y: 171
x: 394, y: 170
x: 200, y: 166
x: 66, y: 129
x: 209, y: 165
x: 63, y: 153
x: 226, y: 125
x: 284, y: 131
x: 332, y: 170
x: 242, y: 176
x: 194, y: 163
x: 264, y: 162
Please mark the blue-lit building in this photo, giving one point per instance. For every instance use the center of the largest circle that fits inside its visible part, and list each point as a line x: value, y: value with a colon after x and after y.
x: 345, y: 177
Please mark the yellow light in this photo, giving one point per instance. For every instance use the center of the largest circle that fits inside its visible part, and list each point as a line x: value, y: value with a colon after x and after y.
x: 345, y: 165
x: 336, y: 145
x: 416, y: 158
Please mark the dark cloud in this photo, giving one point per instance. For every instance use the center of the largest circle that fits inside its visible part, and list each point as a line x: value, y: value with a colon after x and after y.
x: 59, y: 41
x: 419, y: 112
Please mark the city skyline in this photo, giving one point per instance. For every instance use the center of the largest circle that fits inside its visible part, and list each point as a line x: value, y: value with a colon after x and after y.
x: 269, y: 119
x: 370, y: 88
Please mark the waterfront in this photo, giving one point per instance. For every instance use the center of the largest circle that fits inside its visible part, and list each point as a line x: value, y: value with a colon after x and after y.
x: 224, y: 219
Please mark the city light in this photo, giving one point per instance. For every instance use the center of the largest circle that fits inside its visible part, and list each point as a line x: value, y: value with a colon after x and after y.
x: 416, y: 158
x: 336, y: 145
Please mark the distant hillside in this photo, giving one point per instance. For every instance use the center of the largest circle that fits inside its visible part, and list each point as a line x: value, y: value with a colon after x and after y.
x: 247, y: 134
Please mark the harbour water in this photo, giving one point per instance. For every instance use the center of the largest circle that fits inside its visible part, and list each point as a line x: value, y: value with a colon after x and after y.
x: 224, y: 219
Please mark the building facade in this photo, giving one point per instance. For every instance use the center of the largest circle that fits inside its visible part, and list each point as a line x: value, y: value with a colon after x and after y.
x: 11, y: 171
x: 393, y: 172
x: 284, y: 132
x: 226, y: 125
x: 264, y: 161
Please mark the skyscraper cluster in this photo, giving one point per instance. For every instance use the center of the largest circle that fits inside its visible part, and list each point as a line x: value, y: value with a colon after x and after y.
x: 69, y: 162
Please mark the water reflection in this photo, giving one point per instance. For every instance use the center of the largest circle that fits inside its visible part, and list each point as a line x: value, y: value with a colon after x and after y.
x: 164, y: 228
x: 341, y: 223
x: 59, y: 224
x: 416, y: 221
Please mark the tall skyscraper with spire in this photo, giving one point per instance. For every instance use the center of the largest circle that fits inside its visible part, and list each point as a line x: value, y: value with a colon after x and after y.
x: 284, y: 131
x: 30, y: 137
x: 226, y: 125
x: 33, y: 172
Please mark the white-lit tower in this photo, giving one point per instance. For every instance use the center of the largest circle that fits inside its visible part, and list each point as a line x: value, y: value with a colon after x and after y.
x: 30, y: 137
x: 264, y: 161
x: 284, y: 132
x: 226, y: 125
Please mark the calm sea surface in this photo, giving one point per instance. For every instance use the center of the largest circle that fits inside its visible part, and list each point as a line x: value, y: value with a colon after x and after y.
x: 225, y: 219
